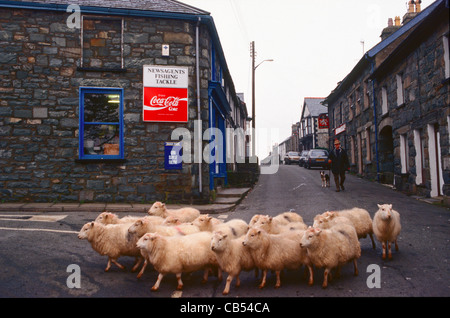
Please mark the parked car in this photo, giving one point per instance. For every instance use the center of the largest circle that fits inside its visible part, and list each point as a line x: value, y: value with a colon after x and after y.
x: 317, y: 158
x: 301, y: 162
x: 291, y: 157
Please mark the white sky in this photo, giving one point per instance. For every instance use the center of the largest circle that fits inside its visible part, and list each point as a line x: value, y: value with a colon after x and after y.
x: 314, y: 44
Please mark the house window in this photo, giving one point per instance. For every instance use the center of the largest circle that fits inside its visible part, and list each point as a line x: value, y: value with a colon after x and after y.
x: 419, y: 155
x: 404, y: 153
x: 384, y: 103
x: 400, y: 90
x: 446, y: 56
x: 368, y: 147
x: 101, y: 123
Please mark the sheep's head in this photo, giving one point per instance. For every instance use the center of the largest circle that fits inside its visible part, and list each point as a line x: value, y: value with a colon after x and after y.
x: 252, y: 238
x: 202, y: 221
x: 385, y: 210
x: 171, y: 220
x: 157, y: 208
x: 133, y: 228
x: 147, y: 239
x: 106, y: 218
x: 310, y: 236
x: 84, y: 232
x: 217, y: 240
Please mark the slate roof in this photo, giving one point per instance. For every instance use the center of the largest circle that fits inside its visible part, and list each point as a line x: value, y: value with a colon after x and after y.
x: 314, y: 106
x: 145, y: 5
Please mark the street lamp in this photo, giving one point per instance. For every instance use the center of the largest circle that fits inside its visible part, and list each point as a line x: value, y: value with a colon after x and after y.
x: 253, y: 55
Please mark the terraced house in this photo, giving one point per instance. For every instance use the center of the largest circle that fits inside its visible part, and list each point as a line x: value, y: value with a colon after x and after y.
x: 113, y: 101
x: 392, y: 110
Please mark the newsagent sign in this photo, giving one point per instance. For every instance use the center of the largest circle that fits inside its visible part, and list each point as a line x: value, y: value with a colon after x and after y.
x: 165, y: 94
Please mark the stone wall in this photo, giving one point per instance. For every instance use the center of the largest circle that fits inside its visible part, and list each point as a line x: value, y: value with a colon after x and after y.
x: 40, y: 72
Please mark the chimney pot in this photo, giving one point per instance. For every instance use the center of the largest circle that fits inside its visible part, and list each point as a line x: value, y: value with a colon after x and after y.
x: 390, y: 22
x: 397, y: 21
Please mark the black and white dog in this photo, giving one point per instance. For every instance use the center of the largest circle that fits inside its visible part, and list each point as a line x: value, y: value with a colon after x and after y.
x: 325, y: 179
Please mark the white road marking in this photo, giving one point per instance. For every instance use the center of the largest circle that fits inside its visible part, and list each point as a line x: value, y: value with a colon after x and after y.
x: 31, y: 217
x: 37, y: 230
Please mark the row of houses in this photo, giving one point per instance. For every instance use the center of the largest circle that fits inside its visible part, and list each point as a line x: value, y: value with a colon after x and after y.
x: 114, y: 101
x: 391, y: 112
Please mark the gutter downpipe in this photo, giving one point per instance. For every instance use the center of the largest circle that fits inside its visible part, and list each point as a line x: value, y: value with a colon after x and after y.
x: 199, y: 122
x: 371, y: 60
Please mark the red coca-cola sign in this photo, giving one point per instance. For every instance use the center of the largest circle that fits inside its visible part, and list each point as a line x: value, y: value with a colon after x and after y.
x: 163, y: 104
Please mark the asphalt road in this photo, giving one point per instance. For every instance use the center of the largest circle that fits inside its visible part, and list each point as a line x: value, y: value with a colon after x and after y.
x: 35, y: 255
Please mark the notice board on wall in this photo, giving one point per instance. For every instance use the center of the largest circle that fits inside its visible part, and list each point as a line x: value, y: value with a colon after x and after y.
x: 165, y: 93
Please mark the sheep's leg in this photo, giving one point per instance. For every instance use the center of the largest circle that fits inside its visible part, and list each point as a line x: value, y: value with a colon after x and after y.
x: 219, y: 274
x: 263, y: 282
x: 142, y: 269
x: 226, y: 290
x: 238, y: 281
x: 389, y: 251
x: 180, y: 282
x: 108, y: 266
x: 205, y: 275
x: 373, y: 242
x: 278, y: 283
x: 158, y: 281
x: 117, y: 264
x: 311, y: 276
x: 383, y: 245
x: 325, y: 278
x: 136, y: 264
x: 396, y: 245
x: 355, y: 265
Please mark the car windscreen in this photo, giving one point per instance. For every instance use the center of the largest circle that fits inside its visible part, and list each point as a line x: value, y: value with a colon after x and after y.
x: 318, y: 153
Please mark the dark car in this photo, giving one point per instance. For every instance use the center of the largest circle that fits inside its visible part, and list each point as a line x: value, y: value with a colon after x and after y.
x: 317, y: 158
x: 291, y: 157
x: 301, y: 162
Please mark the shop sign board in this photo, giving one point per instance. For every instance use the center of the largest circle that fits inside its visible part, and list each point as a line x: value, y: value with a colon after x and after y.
x: 165, y: 93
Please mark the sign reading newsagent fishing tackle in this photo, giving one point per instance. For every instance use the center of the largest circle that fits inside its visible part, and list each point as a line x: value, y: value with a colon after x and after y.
x: 165, y: 95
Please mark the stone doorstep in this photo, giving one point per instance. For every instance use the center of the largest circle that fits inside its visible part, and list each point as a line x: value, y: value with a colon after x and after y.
x: 232, y: 192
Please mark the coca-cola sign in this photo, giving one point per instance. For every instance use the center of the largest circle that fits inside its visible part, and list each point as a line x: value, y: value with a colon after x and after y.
x: 165, y: 104
x: 165, y: 94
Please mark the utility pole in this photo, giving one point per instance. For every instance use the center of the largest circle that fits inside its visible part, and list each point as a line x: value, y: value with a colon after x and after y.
x: 253, y: 55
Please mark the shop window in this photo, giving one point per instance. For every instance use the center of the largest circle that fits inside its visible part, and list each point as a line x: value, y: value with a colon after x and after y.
x: 101, y: 123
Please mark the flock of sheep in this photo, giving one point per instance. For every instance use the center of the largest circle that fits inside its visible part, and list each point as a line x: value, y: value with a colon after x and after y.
x: 183, y: 240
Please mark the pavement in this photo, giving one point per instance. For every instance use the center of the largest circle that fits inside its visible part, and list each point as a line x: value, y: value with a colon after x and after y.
x: 226, y: 200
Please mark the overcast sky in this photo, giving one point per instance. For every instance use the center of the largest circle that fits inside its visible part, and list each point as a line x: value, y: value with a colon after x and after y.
x: 314, y: 45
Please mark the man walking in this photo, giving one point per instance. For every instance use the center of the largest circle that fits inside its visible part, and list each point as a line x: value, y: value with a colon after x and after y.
x: 339, y: 164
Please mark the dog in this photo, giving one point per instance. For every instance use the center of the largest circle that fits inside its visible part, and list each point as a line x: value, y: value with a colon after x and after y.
x: 325, y: 179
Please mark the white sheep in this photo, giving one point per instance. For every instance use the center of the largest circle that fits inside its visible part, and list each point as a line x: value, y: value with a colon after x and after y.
x: 186, y: 214
x: 360, y: 219
x: 331, y: 248
x: 387, y: 227
x: 234, y: 227
x: 112, y: 218
x: 273, y: 225
x: 288, y: 217
x: 232, y: 257
x: 276, y: 252
x: 111, y: 240
x: 178, y: 254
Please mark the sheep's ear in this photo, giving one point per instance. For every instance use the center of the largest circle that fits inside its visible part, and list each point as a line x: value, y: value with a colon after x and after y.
x: 92, y: 224
x: 225, y: 235
x: 390, y: 206
x: 318, y: 231
x: 259, y: 232
x: 379, y: 206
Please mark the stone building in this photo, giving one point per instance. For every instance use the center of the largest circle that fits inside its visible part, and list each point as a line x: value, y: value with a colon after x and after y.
x: 313, y: 128
x: 113, y: 101
x: 392, y: 111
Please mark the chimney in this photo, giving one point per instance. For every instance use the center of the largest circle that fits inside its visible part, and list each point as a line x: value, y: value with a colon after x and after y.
x: 391, y: 28
x: 412, y: 11
x: 418, y: 8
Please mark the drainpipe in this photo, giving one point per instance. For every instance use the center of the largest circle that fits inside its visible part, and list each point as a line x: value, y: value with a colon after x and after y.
x: 199, y: 123
x: 374, y: 116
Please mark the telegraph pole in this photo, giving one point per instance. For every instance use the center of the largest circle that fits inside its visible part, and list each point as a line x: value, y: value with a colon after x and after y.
x: 253, y: 55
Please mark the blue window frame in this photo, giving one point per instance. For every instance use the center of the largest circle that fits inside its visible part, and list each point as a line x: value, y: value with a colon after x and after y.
x: 101, y: 123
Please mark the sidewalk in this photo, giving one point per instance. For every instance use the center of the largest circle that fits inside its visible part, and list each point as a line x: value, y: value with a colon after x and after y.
x: 233, y: 196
